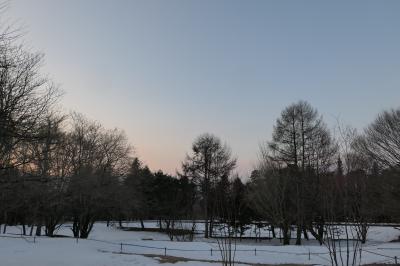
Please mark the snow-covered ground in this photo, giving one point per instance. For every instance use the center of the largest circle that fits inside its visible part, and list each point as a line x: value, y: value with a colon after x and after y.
x: 103, y: 248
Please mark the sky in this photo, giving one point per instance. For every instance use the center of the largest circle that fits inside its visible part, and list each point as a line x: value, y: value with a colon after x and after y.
x: 168, y: 71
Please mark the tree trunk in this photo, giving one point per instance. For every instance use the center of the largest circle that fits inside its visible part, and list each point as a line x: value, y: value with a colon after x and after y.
x: 298, y: 235
x: 286, y: 234
x: 273, y: 231
x: 206, y: 228
x: 24, y: 229
x: 160, y: 224
x: 31, y: 231
x: 321, y: 232
x: 38, y: 229
x: 364, y: 231
x: 5, y: 223
x: 75, y: 227
x: 211, y: 228
x: 305, y: 233
x: 86, y: 227
x: 316, y: 235
x: 141, y: 223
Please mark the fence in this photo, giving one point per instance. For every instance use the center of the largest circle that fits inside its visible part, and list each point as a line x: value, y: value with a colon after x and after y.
x: 121, y: 247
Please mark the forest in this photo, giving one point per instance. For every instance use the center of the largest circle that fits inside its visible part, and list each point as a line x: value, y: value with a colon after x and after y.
x: 57, y: 168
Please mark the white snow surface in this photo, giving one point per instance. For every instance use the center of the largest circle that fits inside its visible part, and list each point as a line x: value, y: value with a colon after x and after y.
x: 103, y: 248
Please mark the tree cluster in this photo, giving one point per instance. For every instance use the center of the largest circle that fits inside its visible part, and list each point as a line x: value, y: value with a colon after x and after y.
x: 309, y: 179
x: 57, y: 168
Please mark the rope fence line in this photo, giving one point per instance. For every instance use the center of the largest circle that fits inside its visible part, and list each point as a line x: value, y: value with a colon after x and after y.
x: 255, y: 250
x: 390, y: 248
x: 26, y: 238
x: 382, y: 255
x: 211, y: 250
x: 326, y: 259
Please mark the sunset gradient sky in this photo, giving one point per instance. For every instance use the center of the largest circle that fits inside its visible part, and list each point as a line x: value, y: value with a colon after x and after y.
x: 167, y: 71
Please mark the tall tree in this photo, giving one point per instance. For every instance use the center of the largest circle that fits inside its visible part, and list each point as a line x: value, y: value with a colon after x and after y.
x: 26, y: 99
x: 209, y: 161
x: 271, y: 195
x: 300, y: 139
x: 379, y: 146
x: 97, y: 159
x: 302, y: 142
x: 139, y: 189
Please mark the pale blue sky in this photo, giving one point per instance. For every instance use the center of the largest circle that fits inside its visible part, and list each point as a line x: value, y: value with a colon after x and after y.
x: 167, y: 71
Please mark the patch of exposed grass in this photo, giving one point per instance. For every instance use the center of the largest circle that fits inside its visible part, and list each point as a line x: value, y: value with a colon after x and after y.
x: 174, y: 259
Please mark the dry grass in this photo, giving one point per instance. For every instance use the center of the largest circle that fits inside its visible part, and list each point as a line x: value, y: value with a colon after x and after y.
x: 174, y: 259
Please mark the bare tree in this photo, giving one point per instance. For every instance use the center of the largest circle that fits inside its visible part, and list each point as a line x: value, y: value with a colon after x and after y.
x: 97, y: 159
x: 50, y: 164
x: 271, y: 194
x: 227, y: 212
x: 27, y: 97
x: 302, y: 143
x: 209, y: 161
x: 345, y: 228
x: 381, y: 139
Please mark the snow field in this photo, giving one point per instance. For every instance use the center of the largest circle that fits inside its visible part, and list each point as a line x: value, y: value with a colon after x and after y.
x: 104, y: 248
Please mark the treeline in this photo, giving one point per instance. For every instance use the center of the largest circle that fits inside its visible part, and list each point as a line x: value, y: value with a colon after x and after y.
x: 310, y: 179
x: 307, y: 178
x: 57, y: 168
